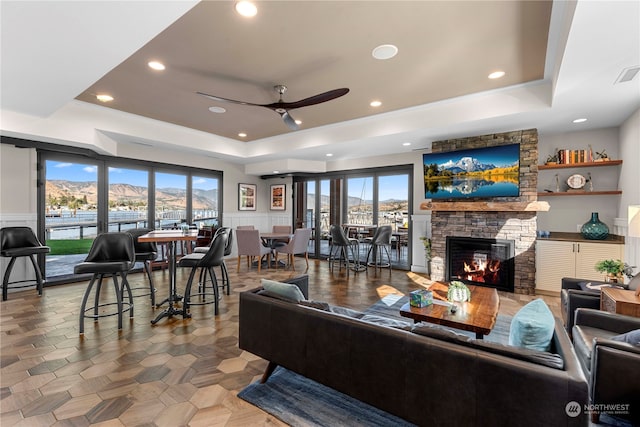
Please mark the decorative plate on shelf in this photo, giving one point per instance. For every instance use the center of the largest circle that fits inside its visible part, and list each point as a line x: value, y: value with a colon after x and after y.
x: 576, y: 181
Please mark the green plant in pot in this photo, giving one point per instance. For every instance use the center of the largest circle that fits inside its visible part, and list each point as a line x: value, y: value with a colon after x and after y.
x: 614, y: 269
x: 458, y: 292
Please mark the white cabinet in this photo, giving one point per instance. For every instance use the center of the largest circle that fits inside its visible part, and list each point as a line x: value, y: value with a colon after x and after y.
x: 556, y: 259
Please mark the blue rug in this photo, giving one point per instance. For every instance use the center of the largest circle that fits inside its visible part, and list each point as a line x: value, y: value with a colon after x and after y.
x: 299, y: 401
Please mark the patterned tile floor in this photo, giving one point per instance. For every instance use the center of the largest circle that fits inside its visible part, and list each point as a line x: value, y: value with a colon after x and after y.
x: 178, y: 372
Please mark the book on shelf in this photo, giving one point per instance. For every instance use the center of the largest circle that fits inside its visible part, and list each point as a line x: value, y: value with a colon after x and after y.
x: 567, y: 157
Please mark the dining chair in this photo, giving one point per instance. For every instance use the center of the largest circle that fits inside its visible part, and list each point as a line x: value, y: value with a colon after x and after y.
x: 245, y: 227
x: 17, y: 242
x: 299, y: 244
x: 250, y: 245
x: 111, y: 254
x: 280, y: 229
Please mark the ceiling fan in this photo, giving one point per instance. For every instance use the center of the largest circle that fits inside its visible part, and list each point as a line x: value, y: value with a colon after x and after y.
x: 282, y: 107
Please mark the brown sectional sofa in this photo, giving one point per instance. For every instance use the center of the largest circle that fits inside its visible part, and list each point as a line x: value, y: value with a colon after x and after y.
x: 422, y: 379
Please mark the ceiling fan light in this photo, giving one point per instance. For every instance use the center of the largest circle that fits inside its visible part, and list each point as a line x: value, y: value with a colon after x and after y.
x: 246, y: 9
x: 103, y: 97
x: 385, y: 51
x: 156, y: 65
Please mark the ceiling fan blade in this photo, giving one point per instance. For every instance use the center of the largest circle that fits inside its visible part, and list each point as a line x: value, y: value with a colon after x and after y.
x: 312, y: 100
x: 289, y: 121
x: 233, y: 101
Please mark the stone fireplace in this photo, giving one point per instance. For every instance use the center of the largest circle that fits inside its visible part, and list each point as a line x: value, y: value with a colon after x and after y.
x: 483, y: 262
x: 512, y: 219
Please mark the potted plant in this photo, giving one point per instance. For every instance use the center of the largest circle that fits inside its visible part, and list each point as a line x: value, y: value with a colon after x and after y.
x: 458, y: 292
x: 614, y: 269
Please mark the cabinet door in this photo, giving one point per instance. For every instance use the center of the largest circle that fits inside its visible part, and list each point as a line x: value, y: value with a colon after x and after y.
x: 590, y: 253
x: 554, y: 260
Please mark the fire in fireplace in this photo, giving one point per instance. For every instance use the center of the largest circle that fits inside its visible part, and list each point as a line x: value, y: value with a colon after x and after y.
x: 484, y: 262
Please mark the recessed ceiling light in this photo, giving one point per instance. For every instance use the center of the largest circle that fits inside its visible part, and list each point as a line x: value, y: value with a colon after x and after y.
x: 298, y: 122
x: 242, y: 135
x: 103, y: 97
x: 581, y: 120
x: 496, y: 74
x: 406, y: 144
x: 375, y: 103
x: 385, y: 51
x: 276, y: 171
x: 329, y: 154
x: 217, y: 110
x: 158, y: 66
x: 246, y: 9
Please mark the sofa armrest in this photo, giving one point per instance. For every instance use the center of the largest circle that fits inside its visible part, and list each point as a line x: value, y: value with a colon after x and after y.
x: 615, y: 376
x: 573, y: 299
x: 604, y: 320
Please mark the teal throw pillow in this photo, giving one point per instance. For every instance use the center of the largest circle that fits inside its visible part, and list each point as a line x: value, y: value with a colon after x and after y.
x: 285, y: 290
x: 532, y: 326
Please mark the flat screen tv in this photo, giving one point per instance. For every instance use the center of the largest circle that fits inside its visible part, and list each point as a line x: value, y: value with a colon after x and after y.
x: 475, y: 173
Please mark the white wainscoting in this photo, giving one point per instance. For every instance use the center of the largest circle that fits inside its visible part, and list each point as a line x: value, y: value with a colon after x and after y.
x: 263, y: 221
x: 22, y: 269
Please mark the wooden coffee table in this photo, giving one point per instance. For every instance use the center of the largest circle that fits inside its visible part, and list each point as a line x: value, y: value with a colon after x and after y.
x: 478, y: 315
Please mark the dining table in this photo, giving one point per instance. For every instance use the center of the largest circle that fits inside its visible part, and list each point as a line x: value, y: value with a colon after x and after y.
x: 269, y: 239
x: 170, y: 238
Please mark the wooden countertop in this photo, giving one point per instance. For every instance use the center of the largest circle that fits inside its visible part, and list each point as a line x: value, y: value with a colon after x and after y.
x: 577, y: 237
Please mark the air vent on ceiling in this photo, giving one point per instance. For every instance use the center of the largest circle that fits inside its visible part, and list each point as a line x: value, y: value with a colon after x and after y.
x: 628, y: 74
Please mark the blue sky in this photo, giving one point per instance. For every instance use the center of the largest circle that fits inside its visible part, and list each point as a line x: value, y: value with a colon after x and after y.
x: 79, y: 172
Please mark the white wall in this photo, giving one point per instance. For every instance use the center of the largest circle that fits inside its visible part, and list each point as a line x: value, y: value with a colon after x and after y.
x: 569, y: 212
x: 18, y: 200
x: 630, y: 180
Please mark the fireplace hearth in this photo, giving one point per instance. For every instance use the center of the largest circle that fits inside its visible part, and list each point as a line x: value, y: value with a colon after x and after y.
x: 483, y: 262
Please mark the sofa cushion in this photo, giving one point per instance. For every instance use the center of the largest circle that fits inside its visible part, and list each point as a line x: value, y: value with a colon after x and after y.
x: 275, y: 295
x: 285, y: 290
x: 543, y: 358
x: 320, y: 305
x: 439, y: 332
x: 386, y: 321
x: 343, y: 311
x: 631, y: 337
x: 532, y: 326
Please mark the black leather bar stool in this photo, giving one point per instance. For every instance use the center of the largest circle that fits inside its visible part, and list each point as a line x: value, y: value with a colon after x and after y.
x: 111, y: 254
x: 214, y: 257
x: 227, y: 251
x: 340, y: 245
x: 17, y: 242
x: 146, y: 252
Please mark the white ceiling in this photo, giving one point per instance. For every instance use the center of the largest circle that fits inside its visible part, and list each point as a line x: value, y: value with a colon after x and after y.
x: 55, y: 53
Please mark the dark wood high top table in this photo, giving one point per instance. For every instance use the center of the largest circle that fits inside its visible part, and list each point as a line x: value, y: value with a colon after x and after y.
x: 170, y: 237
x: 478, y: 315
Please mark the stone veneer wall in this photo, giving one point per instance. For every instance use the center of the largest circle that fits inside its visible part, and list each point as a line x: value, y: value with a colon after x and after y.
x: 518, y: 226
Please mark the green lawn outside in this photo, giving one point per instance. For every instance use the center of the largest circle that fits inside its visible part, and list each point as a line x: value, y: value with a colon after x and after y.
x: 69, y: 247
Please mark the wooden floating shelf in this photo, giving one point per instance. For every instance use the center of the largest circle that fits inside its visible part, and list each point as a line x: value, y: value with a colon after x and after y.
x: 536, y: 206
x: 581, y: 165
x: 580, y: 193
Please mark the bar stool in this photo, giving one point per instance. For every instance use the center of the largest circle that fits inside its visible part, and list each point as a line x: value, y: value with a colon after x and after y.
x: 111, y: 254
x: 146, y: 252
x: 214, y: 257
x: 227, y: 251
x: 381, y: 240
x: 17, y: 242
x: 341, y: 244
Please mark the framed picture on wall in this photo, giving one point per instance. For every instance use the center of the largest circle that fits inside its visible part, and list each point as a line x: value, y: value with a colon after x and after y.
x: 277, y: 197
x: 247, y: 197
